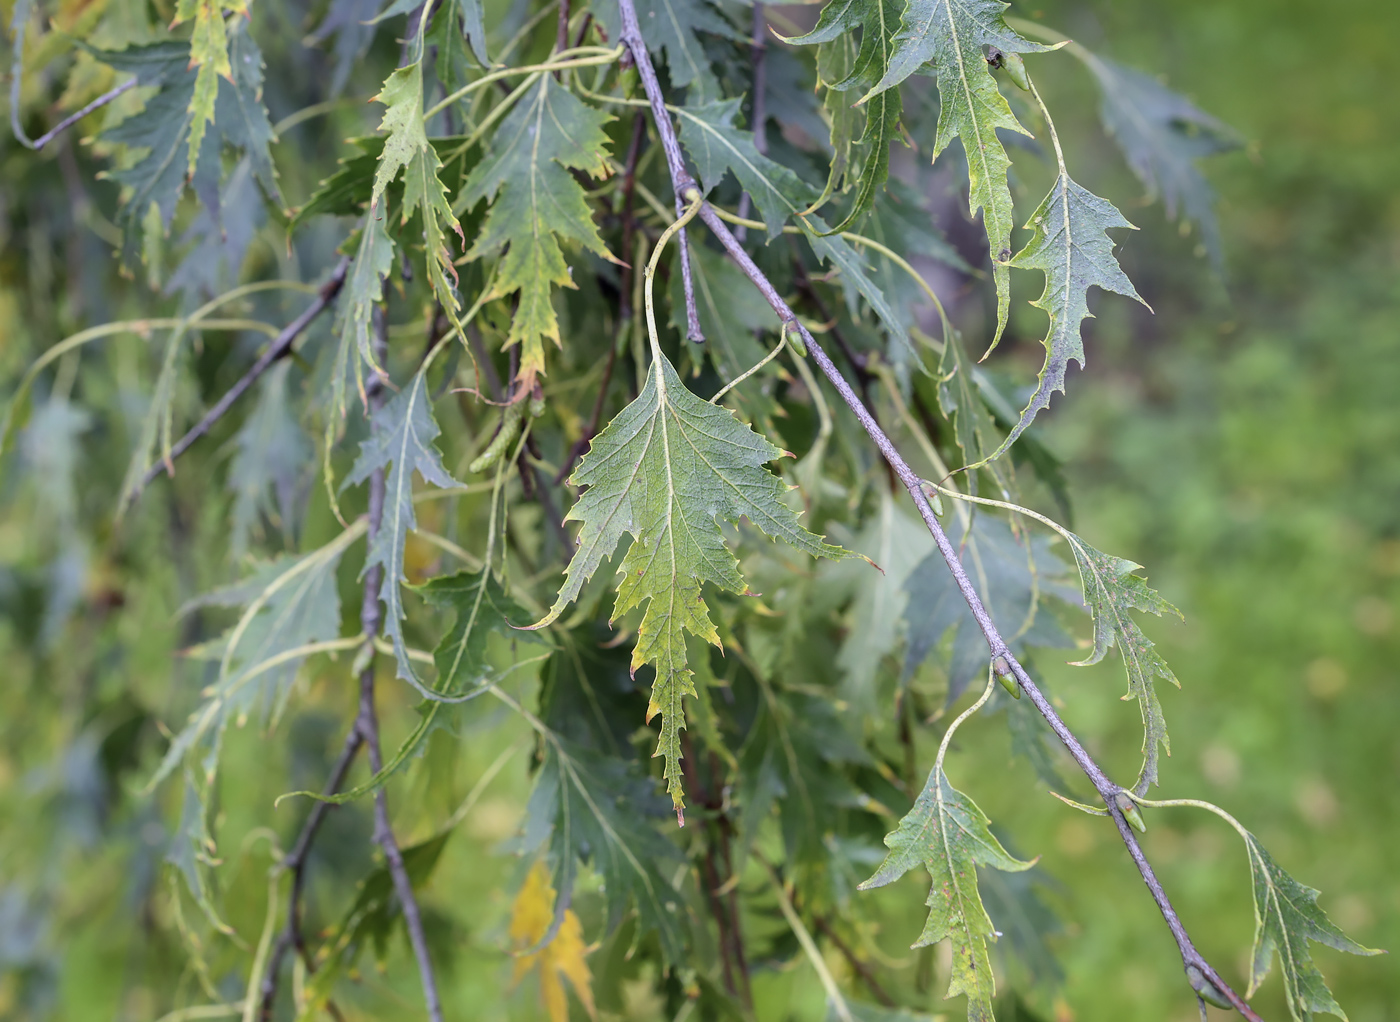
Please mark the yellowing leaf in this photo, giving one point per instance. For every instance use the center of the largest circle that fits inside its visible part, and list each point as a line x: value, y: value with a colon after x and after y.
x: 208, y: 53
x: 537, y: 205
x: 561, y: 957
x: 666, y: 470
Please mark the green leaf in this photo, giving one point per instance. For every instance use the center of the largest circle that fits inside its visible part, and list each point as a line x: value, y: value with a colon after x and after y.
x: 596, y: 808
x: 209, y: 57
x: 895, y: 543
x: 1112, y: 592
x: 482, y: 608
x: 667, y: 470
x: 717, y: 145
x: 364, y: 288
x: 406, y: 148
x: 400, y: 443
x: 877, y: 20
x: 1286, y: 917
x: 1071, y: 245
x: 538, y: 204
x: 950, y: 35
x: 272, y: 453
x: 193, y: 853
x: 974, y: 429
x: 948, y: 835
x: 1162, y: 135
x: 164, y: 128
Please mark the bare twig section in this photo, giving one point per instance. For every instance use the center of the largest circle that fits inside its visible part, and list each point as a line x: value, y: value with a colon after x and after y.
x: 758, y: 53
x: 681, y: 182
x: 861, y: 967
x: 367, y: 723
x: 561, y: 35
x: 279, y: 348
x: 295, y: 862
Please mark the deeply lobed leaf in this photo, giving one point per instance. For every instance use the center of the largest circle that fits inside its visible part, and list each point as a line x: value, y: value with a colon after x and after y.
x: 948, y: 835
x: 667, y: 470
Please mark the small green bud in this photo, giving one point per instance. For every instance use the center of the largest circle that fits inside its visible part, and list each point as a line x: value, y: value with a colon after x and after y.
x: 795, y: 339
x: 1016, y: 70
x: 1205, y: 989
x: 1131, y: 813
x: 510, y: 428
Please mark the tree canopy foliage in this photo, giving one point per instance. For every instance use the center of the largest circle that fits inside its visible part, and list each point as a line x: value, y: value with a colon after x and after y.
x: 350, y: 406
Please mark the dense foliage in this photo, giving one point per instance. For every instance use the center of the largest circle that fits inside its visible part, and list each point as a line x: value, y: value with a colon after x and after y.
x: 373, y: 539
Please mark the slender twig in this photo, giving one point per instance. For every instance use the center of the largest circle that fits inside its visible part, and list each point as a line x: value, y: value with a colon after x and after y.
x: 74, y: 118
x: 279, y: 348
x: 758, y: 53
x: 862, y: 968
x: 681, y: 180
x: 295, y: 862
x: 561, y: 34
x: 371, y: 618
x: 681, y: 183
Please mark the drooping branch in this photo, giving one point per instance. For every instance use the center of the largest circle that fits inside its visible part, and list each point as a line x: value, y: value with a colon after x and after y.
x: 1006, y: 663
x: 758, y: 53
x: 279, y: 348
x: 367, y: 723
x: 295, y: 862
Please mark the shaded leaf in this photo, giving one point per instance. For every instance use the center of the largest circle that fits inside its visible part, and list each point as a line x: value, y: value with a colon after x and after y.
x: 1162, y: 135
x: 538, y: 204
x: 267, y: 468
x: 1013, y: 572
x: 400, y: 443
x: 896, y: 543
x: 1071, y: 245
x: 947, y: 834
x: 595, y: 808
x: 667, y: 470
x: 974, y: 429
x: 716, y: 146
x: 950, y: 35
x: 1286, y: 917
x: 671, y: 26
x: 482, y: 608
x: 561, y: 957
x: 209, y: 57
x: 287, y: 605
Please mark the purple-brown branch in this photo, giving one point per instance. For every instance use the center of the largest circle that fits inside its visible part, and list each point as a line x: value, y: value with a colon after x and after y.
x: 279, y: 348
x: 681, y: 182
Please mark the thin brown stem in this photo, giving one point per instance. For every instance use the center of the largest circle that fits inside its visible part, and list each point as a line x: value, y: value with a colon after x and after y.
x: 74, y: 118
x: 280, y: 348
x: 295, y: 862
x: 681, y: 181
x: 861, y: 968
x: 758, y: 53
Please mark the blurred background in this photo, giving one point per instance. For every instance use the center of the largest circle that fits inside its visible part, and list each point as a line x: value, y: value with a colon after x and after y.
x: 1243, y: 443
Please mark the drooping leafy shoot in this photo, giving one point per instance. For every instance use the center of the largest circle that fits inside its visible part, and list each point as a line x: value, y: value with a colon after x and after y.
x: 950, y: 35
x: 483, y: 608
x: 667, y: 471
x: 400, y: 444
x: 949, y: 836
